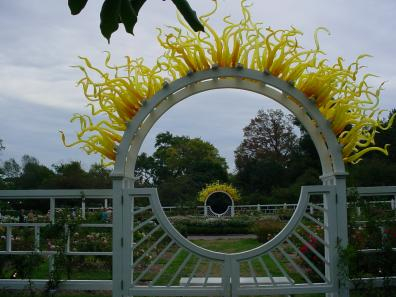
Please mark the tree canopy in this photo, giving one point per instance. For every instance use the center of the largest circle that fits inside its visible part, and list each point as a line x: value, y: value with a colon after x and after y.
x: 272, y: 157
x: 180, y: 167
x: 33, y: 175
x: 269, y: 135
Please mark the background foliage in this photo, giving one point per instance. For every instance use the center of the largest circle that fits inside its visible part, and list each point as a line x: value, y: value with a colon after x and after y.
x: 275, y: 158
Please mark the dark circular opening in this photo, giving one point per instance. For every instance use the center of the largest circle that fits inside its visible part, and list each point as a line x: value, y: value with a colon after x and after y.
x: 219, y: 202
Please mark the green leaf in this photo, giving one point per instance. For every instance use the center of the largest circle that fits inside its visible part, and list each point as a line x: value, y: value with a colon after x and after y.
x: 109, y: 17
x: 189, y: 14
x: 128, y: 16
x: 137, y: 4
x: 76, y: 6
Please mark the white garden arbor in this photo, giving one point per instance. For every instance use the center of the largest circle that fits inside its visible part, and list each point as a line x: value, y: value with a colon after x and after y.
x: 229, y: 211
x: 201, y: 272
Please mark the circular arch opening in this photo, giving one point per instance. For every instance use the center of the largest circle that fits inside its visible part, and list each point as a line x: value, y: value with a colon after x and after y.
x: 219, y: 202
x: 267, y: 85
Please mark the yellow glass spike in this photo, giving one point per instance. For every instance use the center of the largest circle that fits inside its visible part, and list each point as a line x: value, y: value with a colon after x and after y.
x: 340, y: 91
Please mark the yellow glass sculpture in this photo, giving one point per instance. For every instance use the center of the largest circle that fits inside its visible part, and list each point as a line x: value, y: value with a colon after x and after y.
x: 340, y: 91
x: 217, y: 187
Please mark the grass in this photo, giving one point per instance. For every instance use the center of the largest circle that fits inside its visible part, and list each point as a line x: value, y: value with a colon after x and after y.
x: 228, y: 245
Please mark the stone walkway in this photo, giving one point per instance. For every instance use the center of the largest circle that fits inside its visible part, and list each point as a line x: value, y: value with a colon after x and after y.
x: 226, y: 236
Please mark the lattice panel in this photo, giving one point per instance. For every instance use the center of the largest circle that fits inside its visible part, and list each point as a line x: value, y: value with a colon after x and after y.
x: 299, y: 259
x: 159, y: 261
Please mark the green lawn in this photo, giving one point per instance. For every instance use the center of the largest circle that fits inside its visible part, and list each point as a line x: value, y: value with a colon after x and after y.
x: 228, y: 245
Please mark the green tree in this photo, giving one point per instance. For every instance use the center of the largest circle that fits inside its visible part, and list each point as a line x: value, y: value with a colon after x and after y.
x: 269, y: 135
x: 181, y: 167
x: 69, y: 176
x: 266, y: 152
x: 145, y: 172
x: 376, y: 169
x: 126, y: 12
x: 99, y: 177
x: 2, y: 147
x: 34, y: 175
x: 9, y: 174
x: 11, y: 169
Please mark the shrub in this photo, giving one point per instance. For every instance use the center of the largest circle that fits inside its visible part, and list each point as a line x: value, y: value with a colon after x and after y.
x: 210, y: 226
x: 285, y: 213
x: 266, y: 229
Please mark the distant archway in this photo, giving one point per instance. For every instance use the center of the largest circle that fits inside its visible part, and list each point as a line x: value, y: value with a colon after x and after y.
x: 219, y: 204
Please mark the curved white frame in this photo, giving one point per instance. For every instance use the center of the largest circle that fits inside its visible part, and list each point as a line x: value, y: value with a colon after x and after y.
x: 305, y: 110
x: 327, y: 146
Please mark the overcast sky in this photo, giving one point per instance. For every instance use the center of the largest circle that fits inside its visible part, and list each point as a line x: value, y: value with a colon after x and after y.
x: 40, y: 40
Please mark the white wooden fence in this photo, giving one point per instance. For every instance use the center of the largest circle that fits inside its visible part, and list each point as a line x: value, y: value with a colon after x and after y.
x: 82, y: 197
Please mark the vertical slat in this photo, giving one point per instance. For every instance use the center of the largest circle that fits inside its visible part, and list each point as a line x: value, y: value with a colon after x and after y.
x: 51, y: 263
x: 52, y: 210
x: 252, y: 272
x: 194, y: 271
x: 208, y: 272
x: 67, y: 233
x: 267, y: 271
x: 83, y: 208
x: 226, y: 276
x: 295, y: 266
x: 9, y: 242
x: 131, y: 237
x: 157, y: 277
x: 181, y: 267
x: 36, y: 238
x: 235, y: 278
x: 279, y: 266
x: 128, y: 202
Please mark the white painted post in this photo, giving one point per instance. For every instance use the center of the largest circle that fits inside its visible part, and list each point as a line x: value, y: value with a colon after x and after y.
x: 52, y: 219
x: 339, y: 180
x: 311, y: 210
x: 83, y: 208
x: 106, y: 205
x: 52, y: 210
x: 9, y: 235
x: 117, y: 236
x: 120, y: 284
x: 36, y: 238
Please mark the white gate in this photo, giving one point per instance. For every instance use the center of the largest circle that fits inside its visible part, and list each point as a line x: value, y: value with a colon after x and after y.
x: 302, y: 258
x: 159, y: 261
